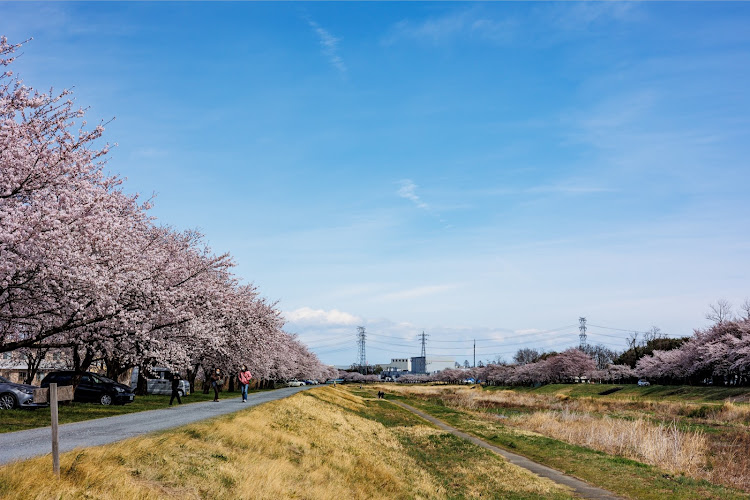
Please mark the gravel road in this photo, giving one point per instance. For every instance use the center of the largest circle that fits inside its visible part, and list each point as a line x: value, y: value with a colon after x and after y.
x: 22, y: 445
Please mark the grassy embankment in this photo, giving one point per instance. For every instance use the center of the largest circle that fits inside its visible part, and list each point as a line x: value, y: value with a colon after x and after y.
x: 629, y: 447
x: 320, y: 444
x: 22, y: 419
x: 677, y: 393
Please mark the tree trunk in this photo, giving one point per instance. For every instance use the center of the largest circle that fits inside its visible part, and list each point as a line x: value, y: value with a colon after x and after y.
x: 33, y: 361
x: 192, y: 373
x: 206, y: 381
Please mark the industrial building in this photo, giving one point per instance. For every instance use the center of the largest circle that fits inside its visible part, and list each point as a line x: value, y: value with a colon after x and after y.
x: 431, y: 364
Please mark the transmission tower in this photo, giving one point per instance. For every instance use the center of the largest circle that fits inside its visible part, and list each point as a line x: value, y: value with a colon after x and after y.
x: 582, y: 335
x: 424, y: 336
x: 361, y: 342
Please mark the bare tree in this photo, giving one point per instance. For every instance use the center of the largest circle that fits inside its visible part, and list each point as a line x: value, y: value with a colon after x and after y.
x: 720, y: 312
x: 653, y: 334
x: 527, y: 355
x: 601, y: 355
x: 745, y: 307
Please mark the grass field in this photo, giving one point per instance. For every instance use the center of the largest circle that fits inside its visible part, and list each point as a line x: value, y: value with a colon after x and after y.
x: 342, y: 442
x: 638, y: 449
x: 677, y: 393
x: 321, y: 444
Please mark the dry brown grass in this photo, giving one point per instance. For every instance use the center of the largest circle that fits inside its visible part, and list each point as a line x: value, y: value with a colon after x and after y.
x: 661, y: 445
x: 721, y: 457
x: 301, y: 447
x: 474, y: 399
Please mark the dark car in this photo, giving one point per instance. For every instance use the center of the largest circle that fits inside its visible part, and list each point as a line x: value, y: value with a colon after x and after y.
x: 16, y: 395
x: 92, y: 388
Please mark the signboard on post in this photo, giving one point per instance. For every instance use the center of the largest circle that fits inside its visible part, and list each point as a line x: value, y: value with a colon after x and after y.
x: 53, y: 395
x: 64, y: 393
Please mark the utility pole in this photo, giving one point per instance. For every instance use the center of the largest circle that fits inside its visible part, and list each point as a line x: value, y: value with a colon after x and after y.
x: 475, y: 353
x: 582, y: 335
x: 361, y: 344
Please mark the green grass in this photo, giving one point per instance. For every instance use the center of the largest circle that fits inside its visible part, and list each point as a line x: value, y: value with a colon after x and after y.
x: 462, y: 469
x: 622, y: 476
x: 23, y: 419
x: 695, y: 394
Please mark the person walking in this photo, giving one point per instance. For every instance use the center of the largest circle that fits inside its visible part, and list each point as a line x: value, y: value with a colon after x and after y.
x: 244, y: 377
x: 215, y: 382
x: 175, y: 391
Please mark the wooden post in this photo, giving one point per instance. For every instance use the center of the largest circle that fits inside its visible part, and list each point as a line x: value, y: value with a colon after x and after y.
x: 55, y: 445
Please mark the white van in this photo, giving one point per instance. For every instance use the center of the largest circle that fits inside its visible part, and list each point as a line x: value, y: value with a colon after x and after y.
x: 162, y: 383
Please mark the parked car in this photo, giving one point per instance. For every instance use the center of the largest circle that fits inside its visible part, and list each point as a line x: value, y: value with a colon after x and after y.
x: 643, y: 383
x: 92, y: 388
x: 17, y: 395
x: 311, y: 382
x: 295, y: 383
x: 162, y: 383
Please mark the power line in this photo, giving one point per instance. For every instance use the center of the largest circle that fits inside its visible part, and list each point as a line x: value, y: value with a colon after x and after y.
x: 510, y: 334
x: 329, y: 344
x: 619, y: 329
x: 335, y: 344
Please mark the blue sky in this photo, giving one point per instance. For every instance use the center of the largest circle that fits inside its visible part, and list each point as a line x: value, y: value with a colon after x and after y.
x: 489, y: 171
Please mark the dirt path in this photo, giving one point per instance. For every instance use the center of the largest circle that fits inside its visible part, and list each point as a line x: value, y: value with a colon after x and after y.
x: 581, y: 488
x: 22, y: 445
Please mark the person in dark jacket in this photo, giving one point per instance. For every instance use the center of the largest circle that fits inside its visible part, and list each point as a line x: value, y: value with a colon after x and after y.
x: 216, y: 381
x: 175, y: 392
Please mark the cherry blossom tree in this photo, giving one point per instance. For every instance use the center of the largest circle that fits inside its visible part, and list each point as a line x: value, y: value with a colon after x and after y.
x: 84, y: 268
x: 719, y: 354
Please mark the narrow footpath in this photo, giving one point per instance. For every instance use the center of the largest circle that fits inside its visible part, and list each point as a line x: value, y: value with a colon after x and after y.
x: 581, y: 488
x: 22, y: 445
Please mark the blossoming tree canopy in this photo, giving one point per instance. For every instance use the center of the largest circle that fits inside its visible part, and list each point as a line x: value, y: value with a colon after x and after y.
x: 83, y: 267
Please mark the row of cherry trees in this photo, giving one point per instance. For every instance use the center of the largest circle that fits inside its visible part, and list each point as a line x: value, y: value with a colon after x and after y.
x: 85, y: 269
x: 718, y: 355
x: 566, y: 366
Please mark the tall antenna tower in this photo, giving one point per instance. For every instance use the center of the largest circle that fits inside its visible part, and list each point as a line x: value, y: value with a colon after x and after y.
x: 361, y: 343
x: 582, y: 335
x: 424, y: 336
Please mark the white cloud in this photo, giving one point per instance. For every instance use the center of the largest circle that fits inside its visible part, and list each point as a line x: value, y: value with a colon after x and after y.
x: 408, y: 190
x: 309, y: 316
x: 469, y: 23
x: 330, y: 46
x: 413, y: 293
x: 527, y: 331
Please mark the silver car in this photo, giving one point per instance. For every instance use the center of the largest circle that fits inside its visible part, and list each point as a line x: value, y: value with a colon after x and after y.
x: 17, y: 395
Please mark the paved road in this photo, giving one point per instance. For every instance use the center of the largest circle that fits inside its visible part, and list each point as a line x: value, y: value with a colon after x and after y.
x: 581, y: 488
x: 22, y: 445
